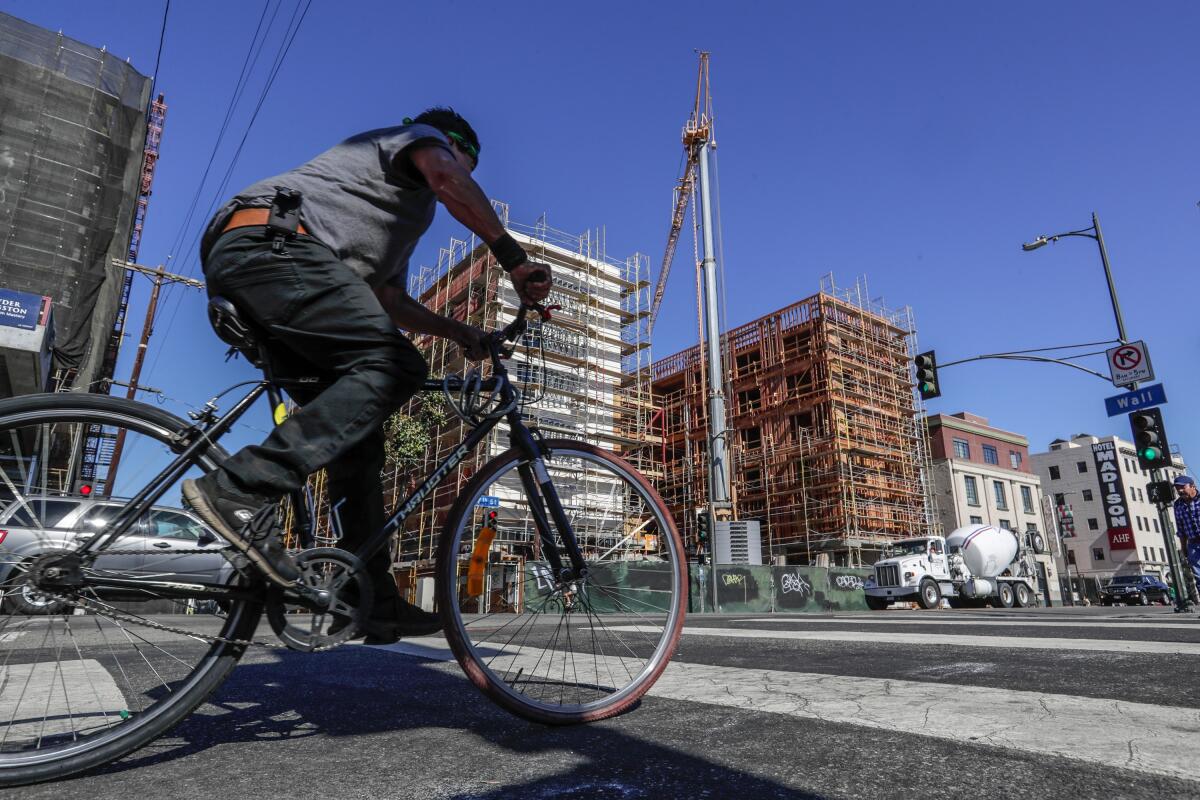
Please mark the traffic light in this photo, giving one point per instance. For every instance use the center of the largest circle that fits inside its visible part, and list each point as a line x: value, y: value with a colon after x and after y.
x: 702, y: 529
x: 927, y: 377
x: 1150, y: 439
x: 83, y: 488
x: 1066, y: 521
x: 1161, y: 492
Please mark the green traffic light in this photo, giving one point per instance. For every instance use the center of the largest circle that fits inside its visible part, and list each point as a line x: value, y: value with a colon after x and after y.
x: 1150, y: 454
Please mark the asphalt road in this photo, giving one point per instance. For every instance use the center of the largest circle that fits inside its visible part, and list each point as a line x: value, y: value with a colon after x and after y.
x: 1033, y: 702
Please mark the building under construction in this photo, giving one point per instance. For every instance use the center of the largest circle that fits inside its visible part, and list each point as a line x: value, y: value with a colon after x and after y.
x: 75, y: 125
x: 828, y: 451
x: 585, y: 375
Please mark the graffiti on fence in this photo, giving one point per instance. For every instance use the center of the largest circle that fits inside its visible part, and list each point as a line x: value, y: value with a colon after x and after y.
x: 795, y: 582
x: 848, y: 583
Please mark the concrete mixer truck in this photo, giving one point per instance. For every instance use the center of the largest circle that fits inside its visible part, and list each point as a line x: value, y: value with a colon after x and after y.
x: 976, y: 565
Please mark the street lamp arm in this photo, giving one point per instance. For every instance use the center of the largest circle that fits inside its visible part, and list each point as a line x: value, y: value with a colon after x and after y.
x: 1014, y: 357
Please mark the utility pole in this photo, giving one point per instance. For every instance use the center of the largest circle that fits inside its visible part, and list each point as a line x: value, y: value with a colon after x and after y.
x: 160, y: 276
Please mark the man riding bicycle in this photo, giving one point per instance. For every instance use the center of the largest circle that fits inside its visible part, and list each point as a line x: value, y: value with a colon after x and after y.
x: 317, y: 257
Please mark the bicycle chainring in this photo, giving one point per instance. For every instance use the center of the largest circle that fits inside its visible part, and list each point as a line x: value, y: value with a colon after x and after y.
x: 341, y: 578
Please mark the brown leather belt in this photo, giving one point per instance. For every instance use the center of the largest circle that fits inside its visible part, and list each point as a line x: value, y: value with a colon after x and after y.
x: 245, y: 217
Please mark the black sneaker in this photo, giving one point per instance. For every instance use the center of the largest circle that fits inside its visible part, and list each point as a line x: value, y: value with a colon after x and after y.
x: 248, y: 522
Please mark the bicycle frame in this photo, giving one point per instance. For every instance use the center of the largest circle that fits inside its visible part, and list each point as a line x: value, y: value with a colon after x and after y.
x: 544, y: 503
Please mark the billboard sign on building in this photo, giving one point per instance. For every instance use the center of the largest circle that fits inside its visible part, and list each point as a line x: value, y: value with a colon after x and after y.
x: 1112, y: 494
x: 20, y: 309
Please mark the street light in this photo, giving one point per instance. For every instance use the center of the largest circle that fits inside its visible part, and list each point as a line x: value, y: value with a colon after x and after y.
x: 1095, y: 234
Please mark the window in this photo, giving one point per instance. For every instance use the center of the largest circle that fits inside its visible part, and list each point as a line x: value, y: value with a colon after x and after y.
x: 989, y: 455
x: 1054, y: 475
x: 1093, y: 524
x: 1087, y: 494
x: 1060, y: 499
x: 972, y: 490
x: 751, y: 438
x: 1138, y: 520
x: 1031, y: 527
x: 1097, y: 554
x: 962, y: 449
x: 976, y: 520
x: 1146, y: 553
x: 1081, y: 466
x: 39, y: 512
x: 1027, y: 499
x: 1001, y: 497
x: 1014, y: 458
x: 173, y: 525
x: 1162, y: 554
x: 1005, y: 525
x: 1156, y: 530
x: 1071, y: 557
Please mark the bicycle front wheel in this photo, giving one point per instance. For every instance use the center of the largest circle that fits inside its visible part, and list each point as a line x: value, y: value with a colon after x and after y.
x: 553, y: 650
x: 93, y: 674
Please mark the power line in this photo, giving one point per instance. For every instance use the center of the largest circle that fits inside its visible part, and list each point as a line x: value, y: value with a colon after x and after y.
x: 248, y: 63
x: 162, y: 35
x: 288, y: 38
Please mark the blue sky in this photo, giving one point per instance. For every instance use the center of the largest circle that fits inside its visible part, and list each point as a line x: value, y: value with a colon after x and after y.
x: 915, y: 143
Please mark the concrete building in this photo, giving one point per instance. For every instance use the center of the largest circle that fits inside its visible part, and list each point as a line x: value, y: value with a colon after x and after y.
x: 1116, y: 528
x: 983, y: 474
x: 74, y: 128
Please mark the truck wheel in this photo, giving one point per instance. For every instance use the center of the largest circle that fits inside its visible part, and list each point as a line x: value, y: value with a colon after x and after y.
x: 930, y: 594
x: 1022, y: 596
x: 1143, y: 600
x: 877, y: 603
x: 1005, y: 597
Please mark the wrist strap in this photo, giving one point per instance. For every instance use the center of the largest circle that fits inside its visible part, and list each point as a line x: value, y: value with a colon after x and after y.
x: 508, y: 252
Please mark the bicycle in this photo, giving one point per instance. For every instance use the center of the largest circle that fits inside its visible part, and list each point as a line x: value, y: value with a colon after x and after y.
x: 113, y: 671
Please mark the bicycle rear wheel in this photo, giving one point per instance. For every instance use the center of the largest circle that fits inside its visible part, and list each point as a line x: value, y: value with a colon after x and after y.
x: 86, y: 681
x: 553, y: 651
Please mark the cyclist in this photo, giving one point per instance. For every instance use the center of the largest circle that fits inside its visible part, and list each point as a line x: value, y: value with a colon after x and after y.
x: 327, y: 281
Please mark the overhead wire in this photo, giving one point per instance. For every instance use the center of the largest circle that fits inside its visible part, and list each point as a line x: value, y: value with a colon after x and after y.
x: 289, y: 36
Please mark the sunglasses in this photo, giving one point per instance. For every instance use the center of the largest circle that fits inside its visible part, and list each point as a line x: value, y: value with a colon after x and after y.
x: 471, y: 150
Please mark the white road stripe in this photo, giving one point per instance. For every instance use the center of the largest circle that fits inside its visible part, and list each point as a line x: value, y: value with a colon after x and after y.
x: 1112, y: 733
x: 48, y: 698
x: 949, y: 639
x: 926, y: 619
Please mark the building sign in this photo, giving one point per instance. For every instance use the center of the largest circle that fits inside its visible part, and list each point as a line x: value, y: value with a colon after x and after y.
x: 1112, y: 495
x: 20, y: 309
x: 1120, y: 539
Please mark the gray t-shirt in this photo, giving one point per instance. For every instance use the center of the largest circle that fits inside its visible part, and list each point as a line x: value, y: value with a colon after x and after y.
x: 363, y: 198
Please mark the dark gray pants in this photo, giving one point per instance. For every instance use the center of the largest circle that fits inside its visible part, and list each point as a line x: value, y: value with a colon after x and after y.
x: 323, y: 321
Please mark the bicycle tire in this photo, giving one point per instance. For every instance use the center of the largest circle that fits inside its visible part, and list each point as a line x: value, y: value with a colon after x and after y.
x: 25, y: 767
x: 474, y: 659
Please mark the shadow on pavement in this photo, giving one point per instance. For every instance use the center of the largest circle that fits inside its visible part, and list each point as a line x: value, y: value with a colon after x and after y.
x: 362, y: 693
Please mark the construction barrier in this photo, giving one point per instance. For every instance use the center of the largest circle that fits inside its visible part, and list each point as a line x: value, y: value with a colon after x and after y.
x: 644, y: 588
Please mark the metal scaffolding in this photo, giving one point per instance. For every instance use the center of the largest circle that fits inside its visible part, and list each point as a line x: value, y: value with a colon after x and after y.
x: 828, y: 451
x: 586, y: 375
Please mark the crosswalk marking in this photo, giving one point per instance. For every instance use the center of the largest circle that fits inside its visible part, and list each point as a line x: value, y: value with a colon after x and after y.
x: 919, y: 618
x: 1113, y: 733
x: 958, y: 640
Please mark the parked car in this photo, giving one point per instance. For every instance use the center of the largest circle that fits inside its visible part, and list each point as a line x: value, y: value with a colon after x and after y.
x: 32, y: 526
x: 1135, y: 590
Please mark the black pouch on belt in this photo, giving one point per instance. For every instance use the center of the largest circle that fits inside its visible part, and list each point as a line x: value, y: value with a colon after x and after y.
x: 285, y: 217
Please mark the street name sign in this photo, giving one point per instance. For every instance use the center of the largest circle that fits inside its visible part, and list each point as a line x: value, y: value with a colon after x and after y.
x: 1147, y: 396
x: 488, y: 501
x: 1129, y: 363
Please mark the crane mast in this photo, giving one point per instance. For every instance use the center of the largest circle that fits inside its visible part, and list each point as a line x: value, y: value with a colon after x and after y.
x: 698, y: 140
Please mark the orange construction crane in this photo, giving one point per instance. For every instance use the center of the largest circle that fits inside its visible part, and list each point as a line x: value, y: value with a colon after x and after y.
x: 696, y: 133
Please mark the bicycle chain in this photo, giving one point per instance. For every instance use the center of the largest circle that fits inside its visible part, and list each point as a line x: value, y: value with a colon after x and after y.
x: 108, y: 611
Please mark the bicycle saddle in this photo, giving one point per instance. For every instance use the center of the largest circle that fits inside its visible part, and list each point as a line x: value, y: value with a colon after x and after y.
x: 232, y: 329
